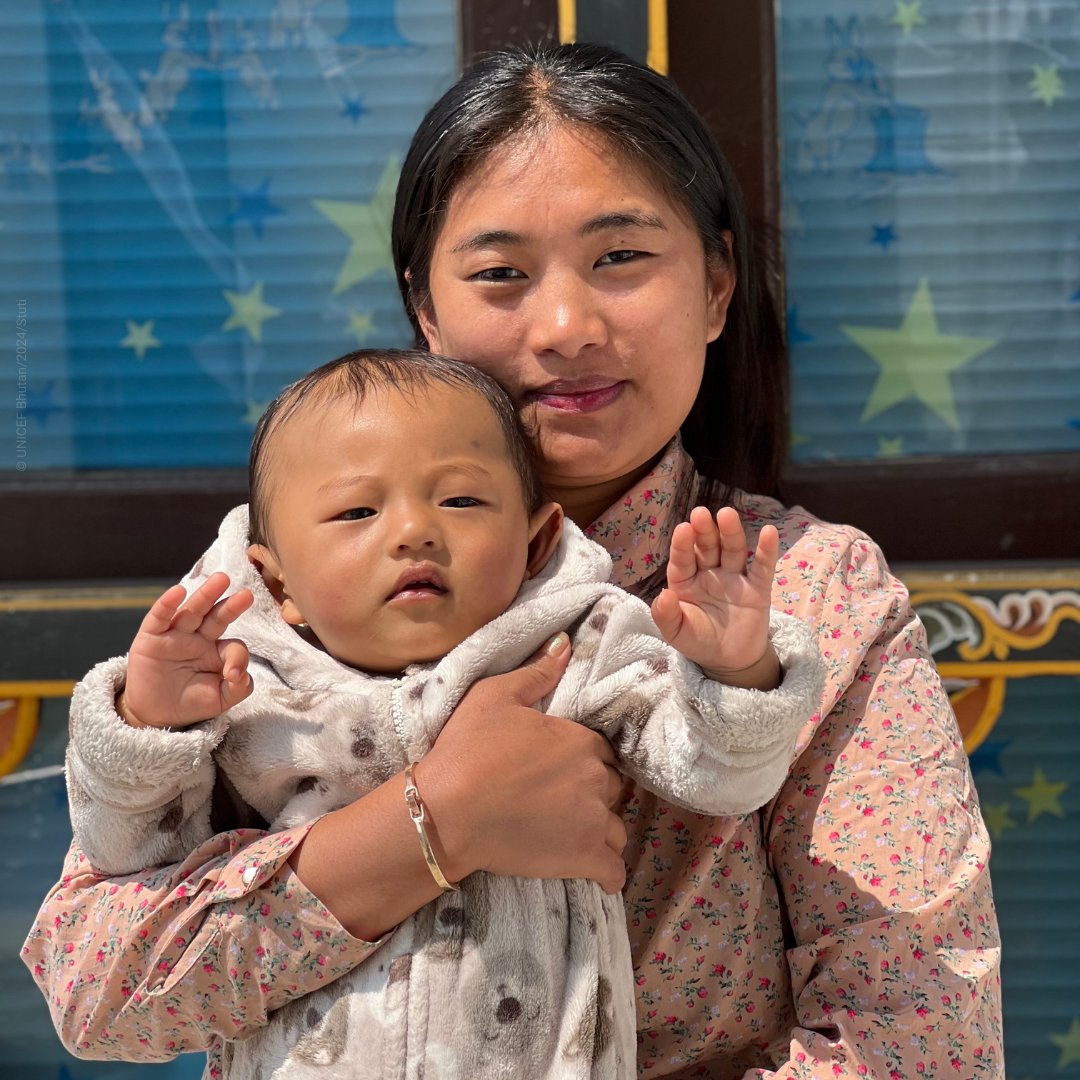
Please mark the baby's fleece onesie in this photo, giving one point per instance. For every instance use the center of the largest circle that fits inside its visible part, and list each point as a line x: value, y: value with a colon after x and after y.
x: 510, y: 977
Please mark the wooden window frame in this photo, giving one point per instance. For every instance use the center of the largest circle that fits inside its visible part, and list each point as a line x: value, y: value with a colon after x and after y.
x: 64, y: 526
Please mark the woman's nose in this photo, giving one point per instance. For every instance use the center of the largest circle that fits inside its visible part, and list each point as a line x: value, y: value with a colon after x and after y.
x: 565, y: 316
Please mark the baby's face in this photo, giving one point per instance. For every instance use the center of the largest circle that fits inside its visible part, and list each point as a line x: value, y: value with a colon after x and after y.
x: 397, y: 527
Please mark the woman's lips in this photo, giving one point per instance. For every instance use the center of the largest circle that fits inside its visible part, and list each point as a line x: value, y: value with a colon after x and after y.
x: 583, y: 397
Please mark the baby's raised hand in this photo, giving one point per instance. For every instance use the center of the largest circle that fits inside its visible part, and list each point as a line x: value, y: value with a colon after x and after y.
x: 179, y: 670
x: 715, y: 610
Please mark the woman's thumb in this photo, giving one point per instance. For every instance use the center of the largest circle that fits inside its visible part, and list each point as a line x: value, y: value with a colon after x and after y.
x: 540, y: 674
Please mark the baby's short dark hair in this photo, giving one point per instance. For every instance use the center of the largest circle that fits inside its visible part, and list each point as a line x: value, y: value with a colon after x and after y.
x: 405, y: 370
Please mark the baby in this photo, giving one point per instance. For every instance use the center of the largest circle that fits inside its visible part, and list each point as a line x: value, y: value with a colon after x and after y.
x: 397, y: 547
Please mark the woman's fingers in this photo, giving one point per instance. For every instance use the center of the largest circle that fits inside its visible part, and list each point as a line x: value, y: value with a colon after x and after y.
x: 540, y: 674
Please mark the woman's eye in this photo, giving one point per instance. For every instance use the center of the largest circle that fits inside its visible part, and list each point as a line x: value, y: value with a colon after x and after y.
x: 357, y: 513
x: 623, y: 255
x: 498, y: 273
x: 460, y: 502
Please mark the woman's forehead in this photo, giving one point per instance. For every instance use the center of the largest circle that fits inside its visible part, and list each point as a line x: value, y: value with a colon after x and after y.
x: 552, y: 160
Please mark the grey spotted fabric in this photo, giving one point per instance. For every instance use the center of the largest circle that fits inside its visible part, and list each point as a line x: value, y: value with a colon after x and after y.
x: 511, y: 977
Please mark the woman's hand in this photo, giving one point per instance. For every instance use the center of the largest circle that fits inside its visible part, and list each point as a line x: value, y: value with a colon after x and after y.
x: 517, y: 792
x: 179, y: 670
x: 715, y: 610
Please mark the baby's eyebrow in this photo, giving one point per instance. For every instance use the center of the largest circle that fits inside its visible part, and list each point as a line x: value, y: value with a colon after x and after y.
x: 341, y: 483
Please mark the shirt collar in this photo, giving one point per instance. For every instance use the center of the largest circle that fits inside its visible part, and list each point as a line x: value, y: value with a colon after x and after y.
x: 636, y: 531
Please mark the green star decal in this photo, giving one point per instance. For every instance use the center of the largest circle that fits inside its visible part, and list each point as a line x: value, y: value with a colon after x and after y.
x: 1042, y: 796
x: 916, y: 359
x: 1046, y: 84
x: 1068, y: 1044
x: 361, y: 325
x: 890, y: 448
x: 908, y: 16
x: 249, y: 311
x: 997, y: 819
x: 253, y: 412
x: 367, y: 225
x: 140, y: 337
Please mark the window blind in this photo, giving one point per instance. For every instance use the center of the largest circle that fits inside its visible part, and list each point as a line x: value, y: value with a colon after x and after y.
x: 195, y: 203
x: 930, y: 172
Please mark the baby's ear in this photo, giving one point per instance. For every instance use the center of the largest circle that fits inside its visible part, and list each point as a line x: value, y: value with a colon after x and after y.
x: 265, y: 561
x: 545, y: 528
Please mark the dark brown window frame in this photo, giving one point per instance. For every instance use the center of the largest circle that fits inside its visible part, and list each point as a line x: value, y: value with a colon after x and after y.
x: 153, y: 524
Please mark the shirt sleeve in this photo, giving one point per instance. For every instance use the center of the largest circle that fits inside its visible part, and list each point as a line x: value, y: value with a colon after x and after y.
x: 695, y: 742
x: 148, y: 966
x: 880, y: 854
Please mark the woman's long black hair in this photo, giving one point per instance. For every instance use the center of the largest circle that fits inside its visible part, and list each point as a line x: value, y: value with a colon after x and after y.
x: 737, y: 431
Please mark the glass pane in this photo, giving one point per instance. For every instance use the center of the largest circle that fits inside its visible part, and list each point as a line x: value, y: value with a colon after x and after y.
x: 195, y: 202
x: 930, y: 170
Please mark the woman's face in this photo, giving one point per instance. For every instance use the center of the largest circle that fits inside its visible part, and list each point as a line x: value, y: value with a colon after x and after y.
x: 569, y: 276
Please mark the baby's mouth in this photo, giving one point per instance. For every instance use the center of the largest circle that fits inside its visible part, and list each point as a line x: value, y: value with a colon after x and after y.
x: 418, y: 582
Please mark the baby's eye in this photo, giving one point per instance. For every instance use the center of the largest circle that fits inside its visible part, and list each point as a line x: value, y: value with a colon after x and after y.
x: 498, y: 273
x: 623, y: 255
x: 460, y: 502
x: 357, y: 513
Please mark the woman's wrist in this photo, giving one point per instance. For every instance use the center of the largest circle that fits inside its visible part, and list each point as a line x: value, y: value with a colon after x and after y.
x: 764, y: 674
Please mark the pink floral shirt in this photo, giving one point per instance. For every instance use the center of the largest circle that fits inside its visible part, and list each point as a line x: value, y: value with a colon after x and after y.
x: 845, y: 930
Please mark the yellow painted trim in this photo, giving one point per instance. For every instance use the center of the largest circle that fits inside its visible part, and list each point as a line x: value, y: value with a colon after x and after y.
x: 79, y: 599
x: 40, y: 689
x: 1008, y: 669
x: 995, y: 702
x: 567, y: 21
x: 26, y: 725
x: 657, y: 56
x: 979, y: 581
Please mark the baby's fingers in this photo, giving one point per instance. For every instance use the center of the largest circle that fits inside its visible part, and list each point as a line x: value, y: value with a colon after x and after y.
x: 236, y: 682
x: 766, y: 556
x: 160, y: 616
x: 224, y: 612
x: 189, y: 618
x: 732, y: 540
x: 667, y: 614
x: 682, y: 560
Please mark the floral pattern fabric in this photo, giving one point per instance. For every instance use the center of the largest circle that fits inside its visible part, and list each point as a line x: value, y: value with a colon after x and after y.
x: 845, y: 930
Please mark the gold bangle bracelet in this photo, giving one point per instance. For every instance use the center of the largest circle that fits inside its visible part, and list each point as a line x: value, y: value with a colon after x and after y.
x: 418, y: 815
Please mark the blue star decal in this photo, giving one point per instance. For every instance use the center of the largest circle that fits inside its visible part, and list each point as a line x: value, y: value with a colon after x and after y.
x: 884, y: 235
x: 255, y: 207
x: 795, y: 332
x: 987, y: 758
x: 40, y: 404
x: 1074, y: 423
x: 1075, y: 295
x: 353, y: 108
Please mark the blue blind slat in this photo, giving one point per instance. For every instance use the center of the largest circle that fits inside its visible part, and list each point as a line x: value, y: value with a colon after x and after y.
x: 153, y: 162
x: 945, y: 156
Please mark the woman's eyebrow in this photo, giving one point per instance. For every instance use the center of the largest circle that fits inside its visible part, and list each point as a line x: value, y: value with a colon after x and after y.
x: 488, y: 238
x: 616, y: 219
x: 622, y: 219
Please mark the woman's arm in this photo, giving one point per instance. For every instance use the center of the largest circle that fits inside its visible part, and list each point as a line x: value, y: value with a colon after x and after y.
x: 150, y: 965
x: 881, y: 857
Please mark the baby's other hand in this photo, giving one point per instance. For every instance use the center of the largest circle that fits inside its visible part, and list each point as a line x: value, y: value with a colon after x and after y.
x: 715, y: 610
x: 180, y: 671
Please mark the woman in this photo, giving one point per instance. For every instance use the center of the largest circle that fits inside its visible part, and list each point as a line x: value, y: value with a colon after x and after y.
x: 565, y: 222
